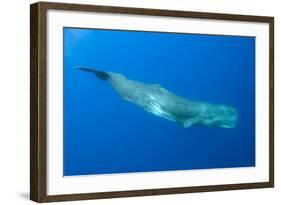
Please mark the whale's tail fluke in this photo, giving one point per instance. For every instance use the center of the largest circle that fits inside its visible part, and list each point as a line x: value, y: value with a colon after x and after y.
x: 100, y: 74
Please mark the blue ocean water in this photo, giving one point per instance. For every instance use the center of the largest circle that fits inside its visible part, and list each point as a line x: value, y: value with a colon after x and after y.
x: 105, y: 134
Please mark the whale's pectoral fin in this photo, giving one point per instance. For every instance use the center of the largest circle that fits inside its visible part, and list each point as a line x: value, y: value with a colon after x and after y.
x: 187, y: 124
x: 100, y: 74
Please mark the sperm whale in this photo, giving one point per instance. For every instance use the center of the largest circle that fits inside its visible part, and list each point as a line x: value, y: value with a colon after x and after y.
x: 157, y: 100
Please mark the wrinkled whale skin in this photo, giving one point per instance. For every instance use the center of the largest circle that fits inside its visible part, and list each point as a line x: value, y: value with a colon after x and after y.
x: 157, y: 100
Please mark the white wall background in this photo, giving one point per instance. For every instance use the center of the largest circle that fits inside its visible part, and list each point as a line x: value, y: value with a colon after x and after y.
x: 14, y: 101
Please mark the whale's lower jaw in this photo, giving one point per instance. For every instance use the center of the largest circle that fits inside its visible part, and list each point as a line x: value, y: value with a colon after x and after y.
x: 189, y: 124
x: 228, y: 126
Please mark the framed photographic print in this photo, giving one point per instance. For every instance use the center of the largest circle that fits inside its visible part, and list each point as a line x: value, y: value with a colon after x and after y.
x: 135, y: 102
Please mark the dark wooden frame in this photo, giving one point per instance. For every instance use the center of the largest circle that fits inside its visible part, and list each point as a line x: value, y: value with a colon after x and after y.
x: 38, y: 110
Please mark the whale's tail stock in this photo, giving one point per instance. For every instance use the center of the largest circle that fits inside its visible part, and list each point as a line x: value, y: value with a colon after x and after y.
x: 100, y: 74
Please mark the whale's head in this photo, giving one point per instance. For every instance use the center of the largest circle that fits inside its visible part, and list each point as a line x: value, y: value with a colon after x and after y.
x: 228, y: 116
x: 218, y: 116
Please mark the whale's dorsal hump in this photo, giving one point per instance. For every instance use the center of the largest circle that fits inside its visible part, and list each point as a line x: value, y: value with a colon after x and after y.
x: 157, y: 86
